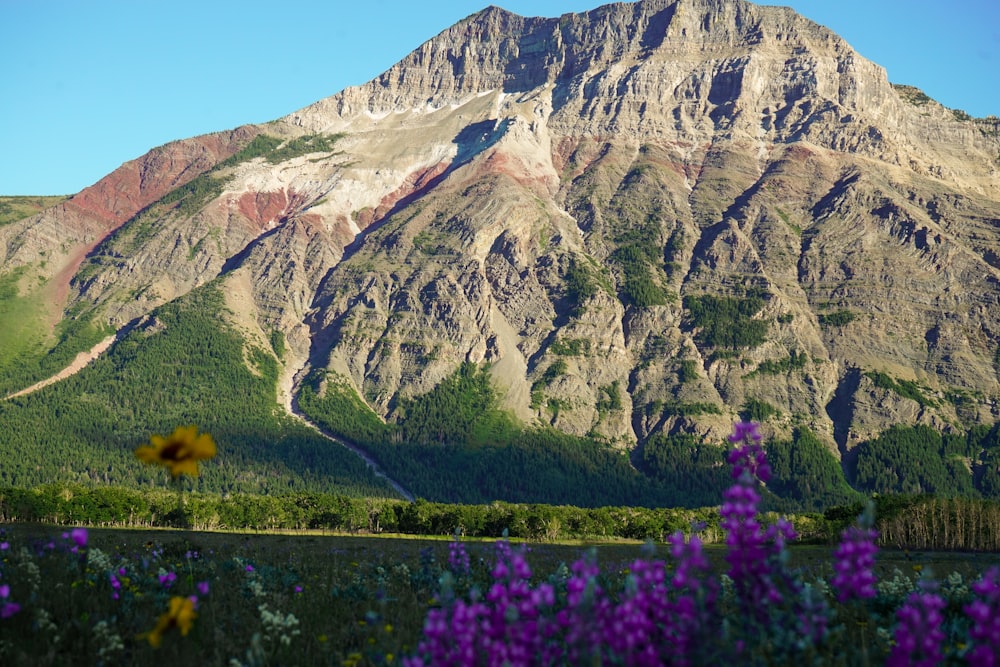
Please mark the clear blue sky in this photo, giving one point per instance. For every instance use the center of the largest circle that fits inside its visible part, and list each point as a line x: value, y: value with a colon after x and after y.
x: 86, y: 85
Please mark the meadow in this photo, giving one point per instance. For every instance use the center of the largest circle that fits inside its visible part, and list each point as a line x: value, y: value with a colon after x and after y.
x: 92, y: 596
x: 316, y: 599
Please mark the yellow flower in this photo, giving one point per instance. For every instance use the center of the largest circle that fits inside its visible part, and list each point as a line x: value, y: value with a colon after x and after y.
x: 180, y: 616
x: 180, y: 452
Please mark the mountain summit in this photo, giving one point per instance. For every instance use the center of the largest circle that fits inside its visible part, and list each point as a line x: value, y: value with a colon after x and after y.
x: 644, y: 218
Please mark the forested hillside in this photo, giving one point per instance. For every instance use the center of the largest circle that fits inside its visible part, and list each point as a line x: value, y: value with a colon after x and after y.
x: 183, y: 365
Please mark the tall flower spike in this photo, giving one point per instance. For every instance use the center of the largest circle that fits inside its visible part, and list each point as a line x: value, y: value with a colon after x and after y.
x: 854, y: 559
x: 744, y: 432
x: 918, y: 635
x: 180, y: 452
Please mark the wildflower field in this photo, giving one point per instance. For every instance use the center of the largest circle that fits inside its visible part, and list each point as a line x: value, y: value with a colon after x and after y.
x: 89, y: 596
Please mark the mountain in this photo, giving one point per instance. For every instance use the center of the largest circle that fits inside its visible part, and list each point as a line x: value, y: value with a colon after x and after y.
x: 641, y: 220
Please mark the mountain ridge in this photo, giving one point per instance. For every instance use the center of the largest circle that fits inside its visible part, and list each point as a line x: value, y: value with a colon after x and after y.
x: 575, y: 201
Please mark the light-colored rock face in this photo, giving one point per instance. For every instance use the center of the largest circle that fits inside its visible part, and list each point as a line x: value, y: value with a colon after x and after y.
x: 543, y: 194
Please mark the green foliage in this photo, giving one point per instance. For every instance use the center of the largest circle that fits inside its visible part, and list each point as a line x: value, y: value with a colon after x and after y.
x: 189, y: 198
x: 570, y: 347
x: 837, y: 318
x: 276, y: 150
x: 771, y: 367
x: 806, y: 472
x: 343, y: 412
x: 758, y: 411
x: 311, y: 143
x: 611, y: 398
x: 277, y: 340
x: 556, y: 369
x: 685, y: 464
x: 911, y: 94
x: 675, y: 408
x: 905, y: 388
x: 640, y: 285
x: 910, y: 459
x: 727, y: 322
x: 462, y: 409
x: 687, y: 371
x: 581, y: 285
x: 13, y: 209
x: 20, y: 324
x: 262, y: 145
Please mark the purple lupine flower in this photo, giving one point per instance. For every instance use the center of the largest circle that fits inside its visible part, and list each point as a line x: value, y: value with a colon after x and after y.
x: 167, y: 579
x: 984, y: 612
x: 79, y: 537
x: 641, y: 624
x: 4, y: 546
x: 745, y: 432
x: 116, y: 586
x: 750, y: 456
x: 696, y: 594
x: 748, y: 549
x: 583, y: 620
x: 751, y: 549
x: 855, y: 560
x: 7, y: 608
x: 918, y: 636
x: 459, y: 563
x: 510, y: 625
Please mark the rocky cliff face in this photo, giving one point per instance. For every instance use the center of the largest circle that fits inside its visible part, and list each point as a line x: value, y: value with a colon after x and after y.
x: 577, y: 201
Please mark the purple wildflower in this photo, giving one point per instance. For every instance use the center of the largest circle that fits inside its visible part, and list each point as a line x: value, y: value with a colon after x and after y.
x: 745, y: 432
x: 116, y: 586
x: 167, y: 579
x: 459, y: 563
x: 750, y: 456
x: 984, y: 612
x: 751, y: 548
x: 855, y: 558
x: 584, y: 618
x: 79, y: 537
x: 7, y: 608
x: 203, y: 588
x: 918, y: 636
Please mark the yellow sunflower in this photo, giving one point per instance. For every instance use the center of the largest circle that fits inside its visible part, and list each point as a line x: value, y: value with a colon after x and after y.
x: 180, y: 452
x: 180, y: 615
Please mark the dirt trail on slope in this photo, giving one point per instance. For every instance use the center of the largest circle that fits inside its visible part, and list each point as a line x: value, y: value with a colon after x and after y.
x: 80, y: 362
x: 287, y: 394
